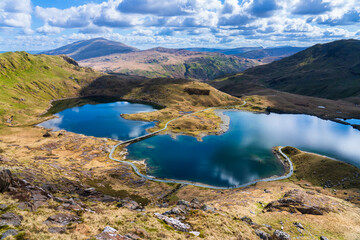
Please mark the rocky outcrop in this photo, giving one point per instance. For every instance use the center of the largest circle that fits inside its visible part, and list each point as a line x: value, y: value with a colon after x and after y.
x: 61, y: 219
x: 110, y: 233
x: 280, y: 235
x: 10, y: 232
x: 263, y: 235
x: 10, y: 219
x: 5, y: 180
x: 176, y: 224
x: 297, y: 201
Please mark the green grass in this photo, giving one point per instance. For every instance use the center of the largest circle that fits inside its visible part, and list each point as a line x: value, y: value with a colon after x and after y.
x: 28, y: 83
x: 318, y: 170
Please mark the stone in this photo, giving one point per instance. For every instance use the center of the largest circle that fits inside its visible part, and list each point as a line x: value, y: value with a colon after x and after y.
x: 110, y: 236
x: 10, y: 219
x: 60, y: 230
x: 10, y: 232
x: 176, y: 224
x: 268, y: 226
x: 280, y: 235
x: 5, y: 180
x: 61, y: 219
x: 108, y: 229
x: 176, y: 211
x: 132, y: 236
x: 3, y: 207
x: 323, y: 238
x: 27, y: 206
x: 47, y: 134
x: 247, y: 220
x: 195, y: 203
x: 110, y: 233
x: 183, y: 202
x: 131, y: 205
x: 195, y: 233
x: 297, y: 201
x: 263, y: 235
x: 207, y: 208
x: 298, y: 225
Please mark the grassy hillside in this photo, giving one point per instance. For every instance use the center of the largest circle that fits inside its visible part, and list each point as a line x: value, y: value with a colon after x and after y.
x: 329, y: 70
x: 30, y: 82
x: 268, y: 55
x: 170, y: 93
x: 173, y: 63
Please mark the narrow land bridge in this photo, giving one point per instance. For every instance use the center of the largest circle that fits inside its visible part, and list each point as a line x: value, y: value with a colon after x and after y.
x: 151, y: 178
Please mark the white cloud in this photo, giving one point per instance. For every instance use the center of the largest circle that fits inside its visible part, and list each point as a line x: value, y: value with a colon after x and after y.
x: 16, y: 14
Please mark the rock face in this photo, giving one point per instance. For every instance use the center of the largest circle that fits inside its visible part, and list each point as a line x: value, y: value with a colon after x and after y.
x: 183, y: 227
x: 296, y: 201
x: 10, y: 219
x: 280, y: 235
x: 263, y: 235
x: 5, y: 180
x: 110, y: 233
x: 10, y: 232
x: 61, y: 219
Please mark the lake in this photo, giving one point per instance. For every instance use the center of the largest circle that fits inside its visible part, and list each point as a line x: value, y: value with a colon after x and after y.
x: 100, y: 120
x: 240, y: 155
x: 243, y: 153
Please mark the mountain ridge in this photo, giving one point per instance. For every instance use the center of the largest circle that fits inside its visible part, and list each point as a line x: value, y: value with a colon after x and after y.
x: 330, y: 70
x: 91, y: 48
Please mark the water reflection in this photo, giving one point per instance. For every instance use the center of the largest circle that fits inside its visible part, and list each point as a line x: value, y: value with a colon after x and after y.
x: 101, y: 120
x: 243, y: 153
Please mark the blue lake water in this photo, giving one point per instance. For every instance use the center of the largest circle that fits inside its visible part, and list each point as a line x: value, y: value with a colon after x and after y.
x: 240, y: 155
x: 102, y: 120
x: 243, y: 153
x: 353, y: 121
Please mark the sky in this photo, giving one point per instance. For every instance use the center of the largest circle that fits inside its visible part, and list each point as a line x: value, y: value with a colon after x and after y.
x: 47, y: 24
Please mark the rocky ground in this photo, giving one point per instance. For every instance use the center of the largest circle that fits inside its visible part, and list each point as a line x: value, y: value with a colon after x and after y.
x: 62, y: 186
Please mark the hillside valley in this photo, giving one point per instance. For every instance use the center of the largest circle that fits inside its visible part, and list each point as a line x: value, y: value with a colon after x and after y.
x: 64, y: 186
x: 324, y: 70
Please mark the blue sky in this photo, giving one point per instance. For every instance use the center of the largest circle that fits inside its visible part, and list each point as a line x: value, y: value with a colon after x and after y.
x: 47, y: 24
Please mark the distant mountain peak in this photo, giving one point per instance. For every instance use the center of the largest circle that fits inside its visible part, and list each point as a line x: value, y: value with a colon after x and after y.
x: 90, y: 48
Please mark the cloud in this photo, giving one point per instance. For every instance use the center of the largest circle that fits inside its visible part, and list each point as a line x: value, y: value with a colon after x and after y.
x: 263, y: 8
x: 348, y: 18
x: 16, y: 14
x: 156, y: 7
x: 311, y: 7
x: 73, y: 17
x: 46, y: 29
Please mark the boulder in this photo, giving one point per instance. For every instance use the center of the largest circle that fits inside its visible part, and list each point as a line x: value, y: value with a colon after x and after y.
x: 183, y: 202
x: 60, y: 230
x: 10, y: 219
x: 263, y: 235
x: 10, y: 232
x: 3, y: 207
x: 110, y: 233
x: 297, y: 201
x: 61, y: 219
x: 280, y: 235
x: 176, y: 224
x: 207, y: 208
x: 5, y: 180
x: 298, y: 225
x: 131, y: 205
x: 323, y: 238
x: 176, y: 211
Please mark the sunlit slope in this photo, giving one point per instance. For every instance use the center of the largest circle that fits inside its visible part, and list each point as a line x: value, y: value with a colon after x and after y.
x: 29, y: 82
